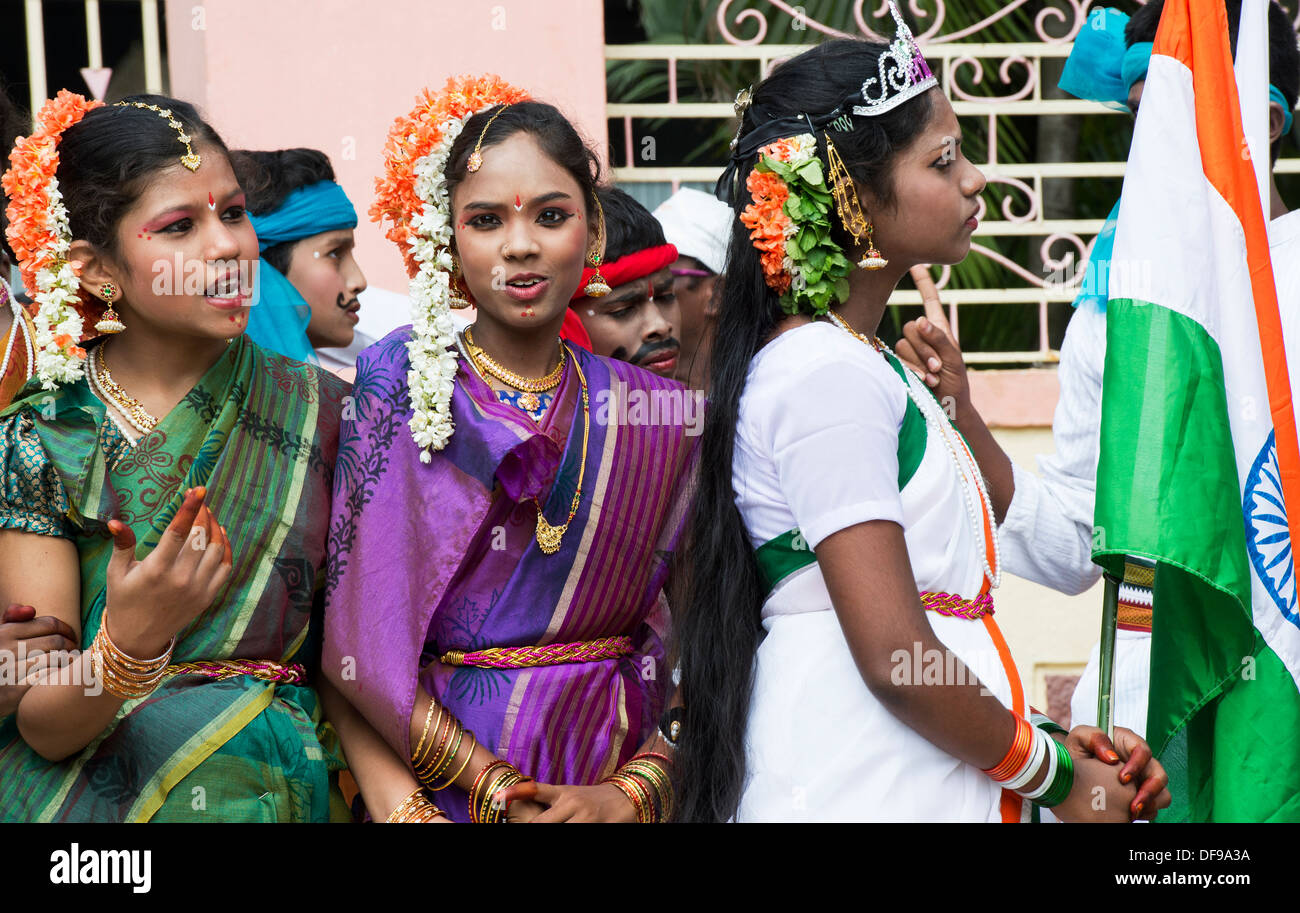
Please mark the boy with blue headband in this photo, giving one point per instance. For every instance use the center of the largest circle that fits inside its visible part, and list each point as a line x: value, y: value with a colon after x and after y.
x: 308, y: 280
x: 1047, y: 531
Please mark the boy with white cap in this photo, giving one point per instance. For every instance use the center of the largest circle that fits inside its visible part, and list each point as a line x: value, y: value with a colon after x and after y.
x: 699, y: 225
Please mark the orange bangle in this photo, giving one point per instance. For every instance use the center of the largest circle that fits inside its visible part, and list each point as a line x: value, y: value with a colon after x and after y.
x: 1016, y: 755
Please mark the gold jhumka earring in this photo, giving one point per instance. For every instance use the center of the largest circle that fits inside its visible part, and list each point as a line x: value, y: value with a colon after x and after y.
x: 850, y: 210
x: 597, y: 287
x: 457, y: 299
x: 110, y: 322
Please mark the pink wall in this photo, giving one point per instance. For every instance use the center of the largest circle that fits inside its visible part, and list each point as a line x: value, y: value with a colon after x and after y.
x: 1024, y: 398
x: 332, y: 75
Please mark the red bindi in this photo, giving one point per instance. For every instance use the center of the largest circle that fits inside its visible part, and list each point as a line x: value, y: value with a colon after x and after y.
x: 212, y: 202
x: 519, y: 204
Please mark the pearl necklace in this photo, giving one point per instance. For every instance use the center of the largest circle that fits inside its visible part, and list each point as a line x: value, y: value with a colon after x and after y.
x: 19, y: 328
x: 972, y: 480
x: 130, y: 407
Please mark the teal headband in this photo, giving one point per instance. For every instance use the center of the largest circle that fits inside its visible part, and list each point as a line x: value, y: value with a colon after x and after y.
x: 1093, y: 69
x: 307, y: 211
x: 1102, y: 68
x: 1275, y: 95
x: 1136, y: 62
x: 279, y: 317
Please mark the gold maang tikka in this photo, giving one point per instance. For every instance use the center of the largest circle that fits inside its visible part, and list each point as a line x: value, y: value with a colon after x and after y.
x: 850, y: 210
x: 475, y: 161
x: 190, y: 159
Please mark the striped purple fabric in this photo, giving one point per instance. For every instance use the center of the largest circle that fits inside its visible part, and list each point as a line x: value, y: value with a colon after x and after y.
x: 425, y: 558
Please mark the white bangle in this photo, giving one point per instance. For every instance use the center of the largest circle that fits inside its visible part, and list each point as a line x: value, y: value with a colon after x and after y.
x: 1026, y: 773
x: 1051, y: 772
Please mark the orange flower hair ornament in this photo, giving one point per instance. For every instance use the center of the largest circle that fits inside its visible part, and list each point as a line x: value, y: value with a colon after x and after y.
x: 789, y: 223
x: 40, y: 236
x: 414, y: 208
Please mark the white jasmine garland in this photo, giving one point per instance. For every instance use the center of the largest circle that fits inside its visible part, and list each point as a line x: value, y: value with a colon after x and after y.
x: 57, y: 289
x: 432, y: 349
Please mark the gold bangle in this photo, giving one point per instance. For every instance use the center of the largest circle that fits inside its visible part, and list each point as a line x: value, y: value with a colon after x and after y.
x: 435, y: 750
x: 646, y: 811
x: 417, y: 760
x: 428, y: 750
x: 652, y: 811
x: 414, y: 809
x: 491, y: 812
x: 427, y: 717
x: 657, y: 778
x: 631, y: 789
x: 447, y: 756
x: 122, y: 675
x: 652, y: 772
x: 474, y: 799
x: 473, y: 741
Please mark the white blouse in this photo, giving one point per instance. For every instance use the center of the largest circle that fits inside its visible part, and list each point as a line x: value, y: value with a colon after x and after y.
x: 823, y: 426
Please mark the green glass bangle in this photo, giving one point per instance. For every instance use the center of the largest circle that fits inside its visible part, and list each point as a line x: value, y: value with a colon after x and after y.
x: 1047, y: 724
x: 1063, y: 781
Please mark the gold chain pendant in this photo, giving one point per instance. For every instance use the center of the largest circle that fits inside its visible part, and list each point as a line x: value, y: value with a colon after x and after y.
x: 549, y: 537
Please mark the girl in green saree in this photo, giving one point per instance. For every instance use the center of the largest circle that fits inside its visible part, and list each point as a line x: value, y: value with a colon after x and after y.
x: 164, y: 490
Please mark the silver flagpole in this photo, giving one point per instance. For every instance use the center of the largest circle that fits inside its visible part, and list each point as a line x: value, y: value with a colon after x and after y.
x: 1106, y: 673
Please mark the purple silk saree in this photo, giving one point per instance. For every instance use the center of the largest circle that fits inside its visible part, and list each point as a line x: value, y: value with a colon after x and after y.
x: 425, y: 558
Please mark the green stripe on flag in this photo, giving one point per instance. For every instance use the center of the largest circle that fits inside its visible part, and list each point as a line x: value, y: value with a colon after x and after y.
x: 1224, y: 713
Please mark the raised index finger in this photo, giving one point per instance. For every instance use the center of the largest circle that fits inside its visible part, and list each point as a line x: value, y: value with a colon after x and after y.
x: 934, y: 311
x: 179, y: 529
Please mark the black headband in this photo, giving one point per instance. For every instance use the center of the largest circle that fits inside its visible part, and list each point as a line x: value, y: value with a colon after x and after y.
x: 772, y: 130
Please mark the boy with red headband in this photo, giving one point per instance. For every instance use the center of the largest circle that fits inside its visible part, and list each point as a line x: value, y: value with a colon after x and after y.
x: 638, y: 320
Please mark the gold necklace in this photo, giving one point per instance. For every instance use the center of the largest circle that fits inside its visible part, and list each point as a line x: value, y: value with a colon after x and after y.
x: 548, y: 536
x: 486, y: 365
x: 873, y: 341
x: 134, y: 410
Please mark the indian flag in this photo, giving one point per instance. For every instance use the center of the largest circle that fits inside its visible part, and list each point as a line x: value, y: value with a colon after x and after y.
x: 1199, y: 459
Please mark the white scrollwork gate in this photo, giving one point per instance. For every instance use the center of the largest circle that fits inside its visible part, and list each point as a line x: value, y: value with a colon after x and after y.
x: 991, y: 85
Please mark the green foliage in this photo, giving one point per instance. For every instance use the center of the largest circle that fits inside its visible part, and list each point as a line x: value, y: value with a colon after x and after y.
x: 820, y: 267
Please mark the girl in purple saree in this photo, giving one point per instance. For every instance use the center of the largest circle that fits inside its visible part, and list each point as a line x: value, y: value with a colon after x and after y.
x: 495, y: 596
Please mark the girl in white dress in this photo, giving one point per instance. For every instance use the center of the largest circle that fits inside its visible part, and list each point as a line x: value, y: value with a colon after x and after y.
x: 839, y: 654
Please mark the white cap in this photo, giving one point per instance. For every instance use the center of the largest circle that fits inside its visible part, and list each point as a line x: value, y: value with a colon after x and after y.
x: 699, y: 224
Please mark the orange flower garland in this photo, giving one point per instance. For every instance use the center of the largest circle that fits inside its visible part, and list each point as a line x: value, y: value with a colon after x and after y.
x: 39, y: 235
x: 789, y: 223
x: 413, y: 205
x: 418, y: 134
x: 769, y: 225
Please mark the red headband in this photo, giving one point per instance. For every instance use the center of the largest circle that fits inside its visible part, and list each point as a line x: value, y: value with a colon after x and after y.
x: 636, y: 265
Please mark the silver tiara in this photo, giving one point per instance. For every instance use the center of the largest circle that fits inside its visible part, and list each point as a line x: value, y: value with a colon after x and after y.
x: 903, y: 73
